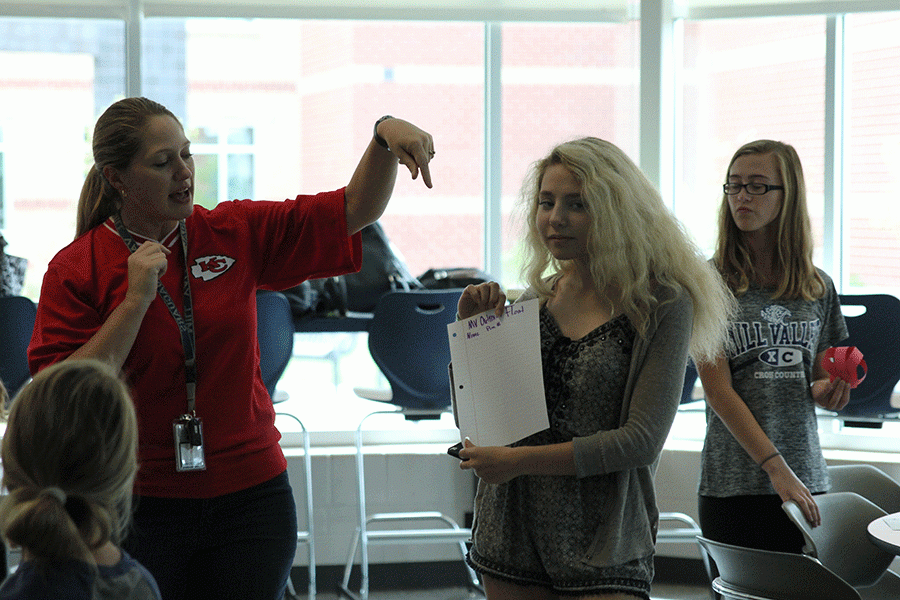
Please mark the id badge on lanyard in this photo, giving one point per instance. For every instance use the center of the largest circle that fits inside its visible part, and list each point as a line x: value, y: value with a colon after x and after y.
x: 187, y: 430
x: 188, y: 433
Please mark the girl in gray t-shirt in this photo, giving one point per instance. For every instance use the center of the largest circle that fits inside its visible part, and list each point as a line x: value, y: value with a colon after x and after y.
x: 762, y: 444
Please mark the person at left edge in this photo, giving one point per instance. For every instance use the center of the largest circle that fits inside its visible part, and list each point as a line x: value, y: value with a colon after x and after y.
x: 226, y: 529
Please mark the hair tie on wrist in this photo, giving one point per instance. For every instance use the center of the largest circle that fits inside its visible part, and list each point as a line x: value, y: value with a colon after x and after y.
x: 378, y: 139
x: 55, y: 492
x: 768, y: 458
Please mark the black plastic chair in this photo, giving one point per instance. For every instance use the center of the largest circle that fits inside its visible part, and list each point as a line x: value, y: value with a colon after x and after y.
x: 841, y: 543
x: 876, y: 332
x: 17, y: 314
x: 275, y: 333
x: 868, y: 481
x: 408, y: 342
x: 750, y: 574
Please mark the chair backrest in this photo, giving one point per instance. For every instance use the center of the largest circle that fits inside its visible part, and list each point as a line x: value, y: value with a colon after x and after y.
x: 767, y: 575
x: 841, y: 542
x: 690, y: 380
x: 876, y: 332
x: 408, y: 342
x: 17, y: 315
x: 868, y: 481
x: 275, y: 332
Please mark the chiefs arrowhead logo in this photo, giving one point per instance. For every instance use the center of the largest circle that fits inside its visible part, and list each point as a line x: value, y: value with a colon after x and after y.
x: 210, y: 267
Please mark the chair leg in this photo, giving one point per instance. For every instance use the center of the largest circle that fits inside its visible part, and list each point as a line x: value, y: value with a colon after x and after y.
x: 473, y: 576
x: 344, y: 586
x: 289, y: 592
x: 310, y: 516
x: 306, y: 537
x: 335, y: 357
x: 363, y: 533
x: 361, y: 540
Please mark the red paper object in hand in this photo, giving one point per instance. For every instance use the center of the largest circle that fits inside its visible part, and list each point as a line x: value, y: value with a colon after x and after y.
x: 844, y: 362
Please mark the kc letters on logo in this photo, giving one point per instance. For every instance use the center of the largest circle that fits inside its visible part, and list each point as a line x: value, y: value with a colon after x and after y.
x: 210, y: 267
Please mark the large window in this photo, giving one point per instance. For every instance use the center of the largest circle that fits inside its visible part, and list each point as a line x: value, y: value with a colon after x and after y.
x: 223, y: 164
x: 871, y: 219
x: 277, y: 107
x: 307, y: 94
x: 561, y: 82
x: 54, y: 74
x: 747, y: 79
x: 744, y: 79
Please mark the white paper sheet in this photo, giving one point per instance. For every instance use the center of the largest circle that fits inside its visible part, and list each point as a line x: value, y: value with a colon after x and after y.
x: 498, y: 381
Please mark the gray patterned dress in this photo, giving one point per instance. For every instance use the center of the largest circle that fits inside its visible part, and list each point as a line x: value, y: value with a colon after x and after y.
x: 534, y: 530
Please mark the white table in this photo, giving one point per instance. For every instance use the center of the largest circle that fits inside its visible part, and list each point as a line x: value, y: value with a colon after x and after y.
x: 885, y: 533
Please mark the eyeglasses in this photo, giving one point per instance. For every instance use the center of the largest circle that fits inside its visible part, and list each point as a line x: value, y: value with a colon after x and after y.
x: 753, y: 188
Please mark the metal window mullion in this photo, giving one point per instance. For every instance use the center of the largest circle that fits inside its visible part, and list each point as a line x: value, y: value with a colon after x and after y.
x: 657, y: 96
x: 222, y: 169
x: 677, y: 111
x: 134, y: 22
x: 493, y: 148
x: 835, y: 144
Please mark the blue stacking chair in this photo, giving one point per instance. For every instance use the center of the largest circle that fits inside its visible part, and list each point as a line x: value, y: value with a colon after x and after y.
x: 876, y: 332
x: 408, y: 342
x: 17, y: 315
x: 679, y: 527
x: 275, y: 333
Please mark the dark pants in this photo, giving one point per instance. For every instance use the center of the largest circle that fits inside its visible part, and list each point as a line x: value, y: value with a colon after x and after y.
x: 239, y: 545
x: 747, y: 521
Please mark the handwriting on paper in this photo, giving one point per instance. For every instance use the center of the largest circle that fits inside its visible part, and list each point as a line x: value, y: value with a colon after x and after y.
x: 489, y: 321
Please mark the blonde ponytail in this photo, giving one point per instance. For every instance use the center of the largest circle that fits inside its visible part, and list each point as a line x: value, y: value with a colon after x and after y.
x: 98, y: 202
